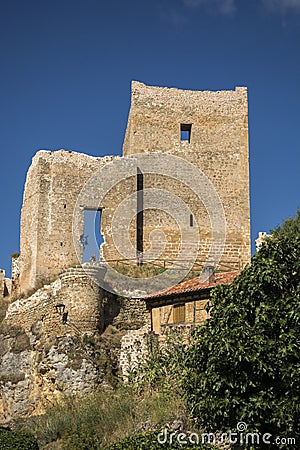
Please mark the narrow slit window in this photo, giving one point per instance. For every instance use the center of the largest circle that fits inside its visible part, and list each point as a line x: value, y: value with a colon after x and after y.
x: 191, y: 220
x: 185, y: 132
x: 139, y: 216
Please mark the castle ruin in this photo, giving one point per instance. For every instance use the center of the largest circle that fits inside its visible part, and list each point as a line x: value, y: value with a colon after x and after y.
x: 55, y: 299
x: 207, y: 129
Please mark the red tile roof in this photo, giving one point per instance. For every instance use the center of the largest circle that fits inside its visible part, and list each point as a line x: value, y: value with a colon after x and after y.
x: 195, y: 285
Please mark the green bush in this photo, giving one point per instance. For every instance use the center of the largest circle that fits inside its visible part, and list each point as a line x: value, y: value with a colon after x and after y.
x: 10, y: 440
x: 245, y: 362
x: 149, y: 441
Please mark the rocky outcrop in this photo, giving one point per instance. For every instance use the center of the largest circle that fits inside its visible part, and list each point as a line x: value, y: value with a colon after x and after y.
x: 34, y: 376
x: 63, y: 339
x: 50, y: 347
x: 37, y: 370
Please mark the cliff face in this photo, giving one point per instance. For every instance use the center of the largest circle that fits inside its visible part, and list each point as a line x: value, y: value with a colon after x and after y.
x: 36, y: 371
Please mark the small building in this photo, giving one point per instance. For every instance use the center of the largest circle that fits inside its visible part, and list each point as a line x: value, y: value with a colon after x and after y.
x: 184, y: 304
x: 262, y: 236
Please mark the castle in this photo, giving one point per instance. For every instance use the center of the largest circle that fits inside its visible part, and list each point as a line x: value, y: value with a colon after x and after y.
x: 179, y: 196
x: 207, y: 129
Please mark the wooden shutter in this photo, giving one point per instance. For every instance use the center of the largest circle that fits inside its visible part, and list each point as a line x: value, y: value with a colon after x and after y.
x: 178, y: 313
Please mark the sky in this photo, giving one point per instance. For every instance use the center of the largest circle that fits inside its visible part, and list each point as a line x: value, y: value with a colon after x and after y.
x: 67, y: 66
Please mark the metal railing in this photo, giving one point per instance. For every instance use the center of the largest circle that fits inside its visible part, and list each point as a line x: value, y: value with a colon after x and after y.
x: 184, y: 264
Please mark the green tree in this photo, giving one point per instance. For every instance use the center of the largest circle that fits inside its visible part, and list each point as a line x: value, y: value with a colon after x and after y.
x: 244, y: 364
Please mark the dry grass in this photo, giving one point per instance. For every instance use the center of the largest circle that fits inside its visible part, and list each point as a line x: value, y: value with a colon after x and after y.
x: 143, y: 271
x: 147, y: 271
x: 100, y: 419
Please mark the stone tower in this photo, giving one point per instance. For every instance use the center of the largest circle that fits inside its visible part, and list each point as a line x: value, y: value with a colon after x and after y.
x: 209, y: 130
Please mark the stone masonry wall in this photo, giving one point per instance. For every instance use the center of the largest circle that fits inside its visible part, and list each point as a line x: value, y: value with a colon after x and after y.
x: 44, y: 355
x: 134, y: 350
x: 83, y: 297
x: 53, y: 185
x: 218, y: 146
x: 76, y: 290
x: 133, y: 314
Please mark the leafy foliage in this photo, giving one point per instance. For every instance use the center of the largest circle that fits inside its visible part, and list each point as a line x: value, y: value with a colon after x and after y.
x: 245, y: 362
x: 10, y: 440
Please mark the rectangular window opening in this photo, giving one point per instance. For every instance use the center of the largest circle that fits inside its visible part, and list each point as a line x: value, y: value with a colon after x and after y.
x: 191, y: 220
x: 178, y: 313
x: 92, y: 237
x: 185, y: 132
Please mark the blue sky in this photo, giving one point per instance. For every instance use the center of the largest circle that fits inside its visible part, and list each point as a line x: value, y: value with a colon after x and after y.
x: 66, y: 68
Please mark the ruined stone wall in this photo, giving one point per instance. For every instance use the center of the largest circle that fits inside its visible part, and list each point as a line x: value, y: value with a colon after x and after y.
x: 82, y: 297
x: 38, y: 311
x: 133, y: 314
x: 53, y: 185
x: 134, y: 350
x: 76, y: 290
x: 218, y: 146
x: 43, y: 356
